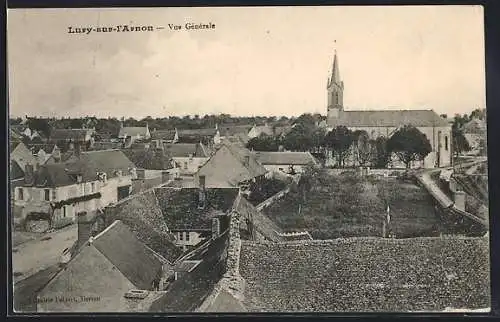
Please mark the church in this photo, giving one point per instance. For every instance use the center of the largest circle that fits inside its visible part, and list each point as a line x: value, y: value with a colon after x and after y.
x: 386, y: 122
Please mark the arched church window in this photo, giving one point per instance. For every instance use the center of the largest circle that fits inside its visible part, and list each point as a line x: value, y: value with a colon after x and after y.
x: 446, y: 143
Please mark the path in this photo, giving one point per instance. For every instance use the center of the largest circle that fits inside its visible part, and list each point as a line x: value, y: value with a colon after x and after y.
x: 36, y: 255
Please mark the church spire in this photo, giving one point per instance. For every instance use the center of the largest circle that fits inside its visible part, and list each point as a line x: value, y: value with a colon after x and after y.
x: 335, y: 78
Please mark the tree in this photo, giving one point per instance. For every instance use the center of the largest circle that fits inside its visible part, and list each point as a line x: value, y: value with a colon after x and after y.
x: 409, y: 144
x: 381, y: 155
x: 263, y: 143
x: 298, y: 139
x: 364, y: 148
x: 342, y: 142
x: 459, y: 142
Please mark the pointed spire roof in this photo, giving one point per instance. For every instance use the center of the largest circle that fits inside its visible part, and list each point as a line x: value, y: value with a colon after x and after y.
x: 335, y: 78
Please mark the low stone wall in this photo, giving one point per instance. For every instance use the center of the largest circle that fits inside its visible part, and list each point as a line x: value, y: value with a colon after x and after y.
x: 266, y: 203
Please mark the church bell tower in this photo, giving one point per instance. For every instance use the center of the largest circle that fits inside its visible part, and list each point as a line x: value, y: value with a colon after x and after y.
x: 335, y: 89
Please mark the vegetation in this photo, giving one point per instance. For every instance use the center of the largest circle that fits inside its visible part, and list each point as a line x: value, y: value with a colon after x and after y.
x: 409, y: 144
x: 331, y: 206
x: 265, y: 189
x: 264, y: 143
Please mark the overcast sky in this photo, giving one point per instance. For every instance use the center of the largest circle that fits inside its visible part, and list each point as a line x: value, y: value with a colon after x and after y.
x: 257, y: 61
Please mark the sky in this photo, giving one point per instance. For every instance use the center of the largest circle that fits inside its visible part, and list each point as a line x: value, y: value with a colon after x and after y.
x: 256, y: 61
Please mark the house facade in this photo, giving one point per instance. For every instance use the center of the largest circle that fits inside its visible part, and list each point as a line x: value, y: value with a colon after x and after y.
x: 55, y: 193
x: 130, y: 134
x: 288, y: 162
x: 385, y: 123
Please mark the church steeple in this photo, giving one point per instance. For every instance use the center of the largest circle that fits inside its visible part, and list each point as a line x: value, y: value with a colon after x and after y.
x: 335, y: 89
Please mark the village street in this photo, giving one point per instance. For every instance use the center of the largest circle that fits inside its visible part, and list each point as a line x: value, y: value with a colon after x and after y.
x: 42, y: 252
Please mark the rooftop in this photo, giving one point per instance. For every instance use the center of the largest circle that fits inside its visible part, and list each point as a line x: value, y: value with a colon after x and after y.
x: 284, y: 158
x: 366, y: 274
x: 181, y: 207
x: 143, y: 215
x: 388, y: 118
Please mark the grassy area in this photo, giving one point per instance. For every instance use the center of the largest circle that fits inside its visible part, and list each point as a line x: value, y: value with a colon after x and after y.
x: 351, y: 206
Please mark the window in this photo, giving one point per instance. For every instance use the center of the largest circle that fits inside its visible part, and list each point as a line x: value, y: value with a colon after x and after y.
x: 54, y: 194
x: 180, y: 235
x: 187, y: 236
x: 46, y: 194
x: 64, y: 211
x: 92, y: 186
x: 20, y: 194
x: 446, y: 143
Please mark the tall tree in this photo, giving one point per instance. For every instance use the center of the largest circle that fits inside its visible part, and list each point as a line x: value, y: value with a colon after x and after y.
x: 263, y: 143
x: 409, y: 144
x: 363, y: 148
x: 459, y: 142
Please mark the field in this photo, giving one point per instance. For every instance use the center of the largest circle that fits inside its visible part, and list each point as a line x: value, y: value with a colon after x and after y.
x: 352, y: 206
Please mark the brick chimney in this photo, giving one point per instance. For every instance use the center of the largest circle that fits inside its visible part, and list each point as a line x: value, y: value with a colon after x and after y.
x: 29, y: 175
x: 85, y: 222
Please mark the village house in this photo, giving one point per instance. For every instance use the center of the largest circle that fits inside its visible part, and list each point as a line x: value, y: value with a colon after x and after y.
x: 230, y: 166
x: 55, y: 193
x: 193, y: 214
x: 20, y: 156
x: 112, y: 272
x: 188, y: 157
x: 43, y: 151
x: 130, y: 134
x: 69, y: 138
x: 288, y: 162
x: 386, y: 122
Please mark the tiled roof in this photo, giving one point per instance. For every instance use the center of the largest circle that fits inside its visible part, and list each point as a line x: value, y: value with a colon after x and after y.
x: 234, y: 130
x: 70, y: 134
x: 54, y: 175
x: 22, y: 155
x: 388, y: 118
x: 152, y: 159
x: 180, y: 207
x: 188, y: 292
x: 227, y: 167
x: 136, y: 262
x: 108, y: 161
x: 163, y: 134
x: 47, y: 148
x: 185, y: 150
x: 103, y: 145
x: 285, y: 158
x: 142, y: 214
x: 260, y: 222
x: 366, y: 274
x: 132, y: 131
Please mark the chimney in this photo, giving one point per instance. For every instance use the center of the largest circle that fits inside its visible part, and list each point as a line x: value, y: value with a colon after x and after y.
x: 85, y: 222
x: 29, y: 174
x: 215, y: 228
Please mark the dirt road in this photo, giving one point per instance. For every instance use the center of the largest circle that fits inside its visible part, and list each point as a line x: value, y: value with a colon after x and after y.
x: 35, y: 255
